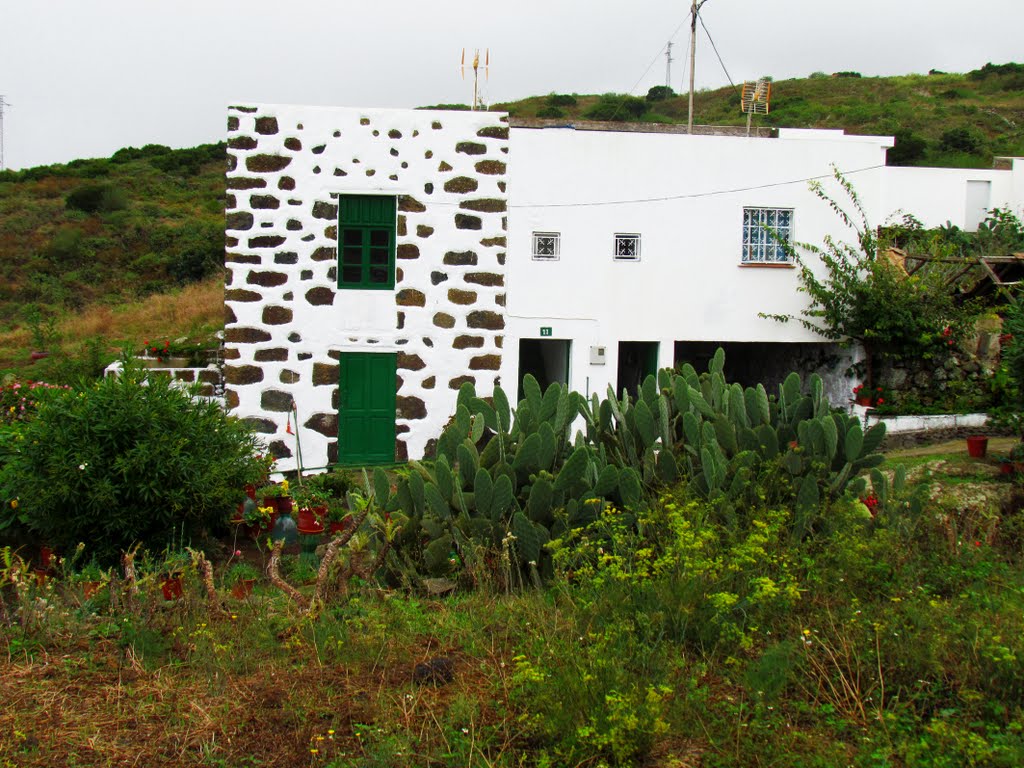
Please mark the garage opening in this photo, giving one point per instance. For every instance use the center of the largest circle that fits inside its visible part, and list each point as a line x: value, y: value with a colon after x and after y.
x: 768, y: 363
x: 637, y: 361
x: 546, y: 359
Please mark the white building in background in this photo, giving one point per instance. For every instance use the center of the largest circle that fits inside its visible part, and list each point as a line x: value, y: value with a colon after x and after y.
x: 379, y: 259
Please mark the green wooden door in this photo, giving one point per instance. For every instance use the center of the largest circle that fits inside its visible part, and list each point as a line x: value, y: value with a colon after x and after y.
x: 366, y: 408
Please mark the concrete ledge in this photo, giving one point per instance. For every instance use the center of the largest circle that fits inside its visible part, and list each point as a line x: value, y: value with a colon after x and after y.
x: 895, y: 425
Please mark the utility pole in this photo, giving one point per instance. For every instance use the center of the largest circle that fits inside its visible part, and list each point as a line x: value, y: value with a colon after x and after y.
x: 668, y: 64
x: 3, y: 103
x: 694, y: 10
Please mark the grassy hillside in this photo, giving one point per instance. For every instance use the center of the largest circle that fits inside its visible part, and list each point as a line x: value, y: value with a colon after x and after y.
x: 948, y: 120
x: 97, y: 236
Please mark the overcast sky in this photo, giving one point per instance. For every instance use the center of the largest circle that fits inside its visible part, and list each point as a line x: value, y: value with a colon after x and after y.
x: 87, y: 77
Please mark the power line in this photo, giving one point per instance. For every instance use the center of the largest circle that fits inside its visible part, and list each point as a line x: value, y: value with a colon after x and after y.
x: 695, y: 195
x: 715, y: 47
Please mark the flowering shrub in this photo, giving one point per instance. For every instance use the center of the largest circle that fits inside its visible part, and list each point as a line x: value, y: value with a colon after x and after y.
x: 126, y: 460
x: 18, y: 399
x: 873, y: 398
x: 153, y: 350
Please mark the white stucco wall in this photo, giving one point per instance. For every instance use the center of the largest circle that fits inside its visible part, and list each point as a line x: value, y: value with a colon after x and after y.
x: 939, y: 195
x: 685, y: 195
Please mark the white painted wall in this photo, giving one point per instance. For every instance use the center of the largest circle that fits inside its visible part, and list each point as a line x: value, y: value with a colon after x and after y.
x: 939, y: 195
x: 685, y: 195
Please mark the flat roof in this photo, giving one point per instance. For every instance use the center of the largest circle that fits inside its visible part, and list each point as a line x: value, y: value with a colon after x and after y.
x: 677, y: 128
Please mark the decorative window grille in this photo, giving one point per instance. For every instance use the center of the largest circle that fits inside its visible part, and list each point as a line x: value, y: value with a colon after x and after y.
x: 767, y: 232
x: 546, y: 245
x: 627, y: 247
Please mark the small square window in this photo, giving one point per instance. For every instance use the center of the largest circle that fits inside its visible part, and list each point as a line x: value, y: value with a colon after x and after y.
x: 627, y: 247
x: 767, y: 235
x: 546, y: 245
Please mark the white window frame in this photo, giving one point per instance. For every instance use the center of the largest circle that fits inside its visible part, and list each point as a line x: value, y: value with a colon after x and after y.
x: 556, y: 246
x: 764, y: 243
x: 624, y: 242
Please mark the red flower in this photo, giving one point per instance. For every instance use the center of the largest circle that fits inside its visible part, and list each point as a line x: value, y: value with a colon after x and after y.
x: 880, y: 401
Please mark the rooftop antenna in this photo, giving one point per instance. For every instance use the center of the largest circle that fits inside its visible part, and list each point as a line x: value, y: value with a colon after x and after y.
x: 668, y: 64
x: 754, y: 99
x: 695, y: 7
x: 3, y: 103
x: 477, y: 104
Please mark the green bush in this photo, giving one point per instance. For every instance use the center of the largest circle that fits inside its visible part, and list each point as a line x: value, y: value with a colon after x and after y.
x: 660, y: 93
x: 95, y: 198
x: 127, y: 459
x: 961, y: 140
x: 561, y: 100
x: 550, y: 112
x: 615, y: 107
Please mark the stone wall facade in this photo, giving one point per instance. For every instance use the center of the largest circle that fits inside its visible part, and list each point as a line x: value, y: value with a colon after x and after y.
x: 287, y: 323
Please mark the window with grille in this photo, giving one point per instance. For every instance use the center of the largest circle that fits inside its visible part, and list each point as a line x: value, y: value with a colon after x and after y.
x: 767, y: 234
x: 627, y: 247
x: 366, y: 242
x: 546, y: 245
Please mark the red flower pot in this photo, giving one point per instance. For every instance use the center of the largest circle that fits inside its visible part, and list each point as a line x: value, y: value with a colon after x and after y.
x: 337, y: 526
x: 863, y: 400
x: 90, y: 588
x: 977, y: 445
x: 242, y: 588
x: 171, y: 587
x: 310, y: 522
x: 45, y: 556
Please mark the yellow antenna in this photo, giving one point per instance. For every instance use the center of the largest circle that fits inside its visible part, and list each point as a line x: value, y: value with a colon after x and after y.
x: 477, y: 104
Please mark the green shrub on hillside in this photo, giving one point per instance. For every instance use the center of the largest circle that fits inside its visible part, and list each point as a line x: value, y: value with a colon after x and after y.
x: 95, y: 198
x: 618, y: 108
x: 126, y: 459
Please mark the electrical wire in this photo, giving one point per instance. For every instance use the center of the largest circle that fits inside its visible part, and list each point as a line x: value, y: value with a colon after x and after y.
x: 646, y: 71
x: 715, y: 47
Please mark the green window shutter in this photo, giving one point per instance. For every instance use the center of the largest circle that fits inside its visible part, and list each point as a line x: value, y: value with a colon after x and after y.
x: 366, y: 242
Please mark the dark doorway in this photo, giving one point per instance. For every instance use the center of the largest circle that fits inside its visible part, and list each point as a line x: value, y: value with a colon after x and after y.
x: 753, y: 363
x: 546, y: 359
x: 637, y: 361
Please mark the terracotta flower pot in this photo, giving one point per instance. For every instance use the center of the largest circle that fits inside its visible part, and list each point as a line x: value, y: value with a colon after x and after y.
x: 91, y: 588
x: 171, y: 587
x: 337, y: 526
x: 864, y: 400
x: 242, y: 588
x: 310, y: 522
x: 977, y: 445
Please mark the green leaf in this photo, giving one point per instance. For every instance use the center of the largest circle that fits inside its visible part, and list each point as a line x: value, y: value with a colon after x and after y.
x: 483, y: 492
x: 854, y: 442
x: 572, y: 471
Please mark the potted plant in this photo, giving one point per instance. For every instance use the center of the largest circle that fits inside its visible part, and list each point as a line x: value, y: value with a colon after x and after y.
x: 275, y: 495
x: 258, y: 518
x: 338, y: 516
x: 173, y: 573
x: 1017, y: 458
x: 311, y: 501
x: 92, y: 578
x: 240, y: 579
x: 867, y: 397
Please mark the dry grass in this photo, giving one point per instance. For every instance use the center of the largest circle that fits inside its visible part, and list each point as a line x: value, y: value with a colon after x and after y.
x: 197, y: 308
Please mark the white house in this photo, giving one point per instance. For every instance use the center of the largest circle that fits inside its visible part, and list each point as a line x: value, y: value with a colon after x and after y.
x: 378, y: 259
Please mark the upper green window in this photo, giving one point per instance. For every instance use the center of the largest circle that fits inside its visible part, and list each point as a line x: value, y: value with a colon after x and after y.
x: 366, y: 242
